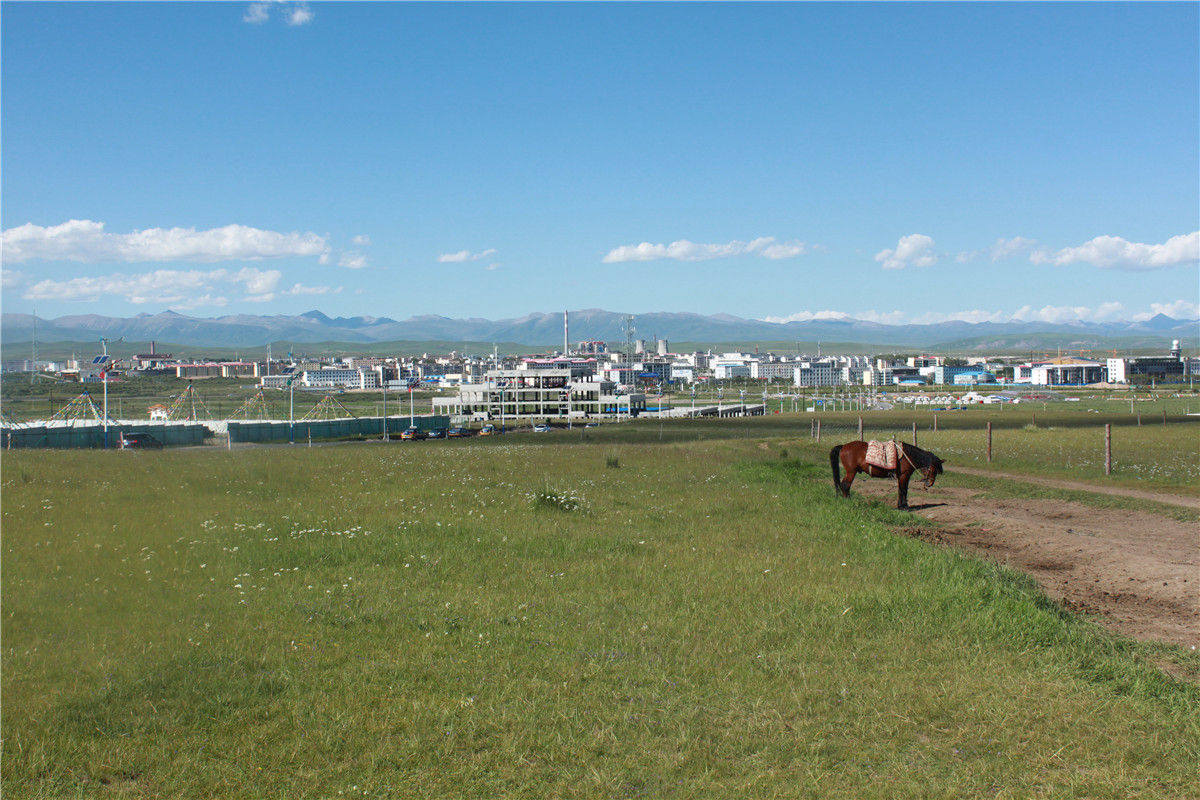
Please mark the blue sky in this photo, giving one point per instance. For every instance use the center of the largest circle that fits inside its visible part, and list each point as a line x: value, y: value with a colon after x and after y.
x: 897, y: 162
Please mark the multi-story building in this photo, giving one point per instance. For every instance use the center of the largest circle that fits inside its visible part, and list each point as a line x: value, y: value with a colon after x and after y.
x: 816, y: 373
x: 219, y: 369
x: 943, y: 375
x: 727, y: 370
x: 772, y: 370
x: 571, y: 391
x: 1067, y: 371
x: 1161, y: 368
x: 340, y: 377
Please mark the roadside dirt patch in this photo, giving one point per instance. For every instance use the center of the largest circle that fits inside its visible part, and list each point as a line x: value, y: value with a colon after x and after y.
x: 1062, y: 483
x: 1134, y: 571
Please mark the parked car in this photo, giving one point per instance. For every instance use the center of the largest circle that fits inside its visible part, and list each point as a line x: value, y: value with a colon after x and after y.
x: 140, y: 441
x: 437, y: 433
x: 458, y: 432
x: 541, y: 428
x: 488, y: 430
x: 412, y: 434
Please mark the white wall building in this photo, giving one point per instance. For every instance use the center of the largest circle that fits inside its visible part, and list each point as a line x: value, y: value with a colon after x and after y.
x: 816, y: 373
x: 340, y: 378
x: 726, y: 370
x: 772, y: 370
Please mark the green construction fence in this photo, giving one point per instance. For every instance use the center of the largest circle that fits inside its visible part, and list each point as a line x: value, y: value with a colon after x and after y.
x: 366, y: 427
x: 74, y: 436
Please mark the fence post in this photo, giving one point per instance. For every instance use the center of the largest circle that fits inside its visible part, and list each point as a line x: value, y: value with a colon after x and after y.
x: 818, y: 431
x: 1108, y: 448
x: 1139, y: 419
x: 935, y: 423
x: 860, y: 427
x: 1164, y: 416
x: 812, y: 428
x: 914, y: 434
x: 989, y: 443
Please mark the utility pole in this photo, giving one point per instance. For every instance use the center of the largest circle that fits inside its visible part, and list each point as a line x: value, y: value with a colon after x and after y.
x: 33, y: 370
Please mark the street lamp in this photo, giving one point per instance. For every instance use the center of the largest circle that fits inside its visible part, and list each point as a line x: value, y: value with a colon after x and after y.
x: 105, y: 365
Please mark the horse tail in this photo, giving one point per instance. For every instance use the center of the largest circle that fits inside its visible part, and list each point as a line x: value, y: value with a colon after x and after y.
x: 834, y: 457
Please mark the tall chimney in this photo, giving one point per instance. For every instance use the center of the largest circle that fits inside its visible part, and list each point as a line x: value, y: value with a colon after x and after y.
x: 566, y: 341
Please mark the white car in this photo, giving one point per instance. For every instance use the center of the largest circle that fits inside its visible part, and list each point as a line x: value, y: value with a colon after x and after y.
x: 542, y: 428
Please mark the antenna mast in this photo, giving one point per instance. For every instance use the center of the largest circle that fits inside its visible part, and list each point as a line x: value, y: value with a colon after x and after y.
x: 630, y: 331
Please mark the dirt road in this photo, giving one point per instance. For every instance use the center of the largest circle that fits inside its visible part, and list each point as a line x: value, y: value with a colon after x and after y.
x: 1135, y: 571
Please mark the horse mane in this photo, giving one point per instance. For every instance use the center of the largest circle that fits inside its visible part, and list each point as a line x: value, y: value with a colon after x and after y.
x: 922, y: 459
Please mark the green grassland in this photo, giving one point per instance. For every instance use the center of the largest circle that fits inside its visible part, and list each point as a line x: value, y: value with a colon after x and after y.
x: 599, y: 613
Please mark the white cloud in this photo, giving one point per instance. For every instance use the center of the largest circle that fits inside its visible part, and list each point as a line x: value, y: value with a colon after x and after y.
x: 362, y: 240
x: 882, y: 317
x: 464, y: 255
x: 85, y: 240
x: 1113, y: 252
x: 164, y: 286
x: 10, y: 278
x: 1002, y: 249
x: 257, y: 13
x: 1180, y: 309
x: 352, y: 261
x: 683, y: 250
x: 298, y: 289
x: 975, y: 315
x: 1007, y: 248
x: 806, y: 316
x: 299, y: 14
x: 493, y: 266
x: 915, y: 250
x: 1104, y: 312
x: 293, y: 13
x: 1058, y: 314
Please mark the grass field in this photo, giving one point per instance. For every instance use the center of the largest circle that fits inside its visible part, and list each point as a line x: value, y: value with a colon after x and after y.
x: 542, y: 617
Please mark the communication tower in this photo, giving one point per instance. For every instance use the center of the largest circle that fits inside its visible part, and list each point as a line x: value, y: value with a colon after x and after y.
x: 630, y: 330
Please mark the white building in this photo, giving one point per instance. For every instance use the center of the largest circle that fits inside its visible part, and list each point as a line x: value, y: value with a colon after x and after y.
x: 878, y: 377
x: 772, y: 370
x: 687, y: 374
x: 1066, y: 371
x: 340, y: 378
x: 815, y: 373
x: 541, y: 393
x: 725, y: 370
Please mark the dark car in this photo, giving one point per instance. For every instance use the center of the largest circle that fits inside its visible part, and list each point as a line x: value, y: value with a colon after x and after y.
x: 140, y: 441
x: 458, y: 432
x: 437, y: 433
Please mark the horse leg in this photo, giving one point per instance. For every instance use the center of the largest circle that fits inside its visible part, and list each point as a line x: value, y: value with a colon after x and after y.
x: 902, y: 478
x: 850, y: 473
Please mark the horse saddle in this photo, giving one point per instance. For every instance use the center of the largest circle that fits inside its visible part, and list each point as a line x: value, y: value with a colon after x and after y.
x: 885, y: 455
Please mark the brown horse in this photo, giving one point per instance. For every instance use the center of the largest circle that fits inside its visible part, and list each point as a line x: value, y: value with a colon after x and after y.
x: 910, y: 459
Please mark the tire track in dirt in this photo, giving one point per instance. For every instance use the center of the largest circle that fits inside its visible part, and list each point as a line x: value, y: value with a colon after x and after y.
x: 1060, y: 483
x: 1133, y: 571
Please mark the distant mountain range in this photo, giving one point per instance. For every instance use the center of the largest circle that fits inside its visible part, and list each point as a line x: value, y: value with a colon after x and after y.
x: 546, y: 330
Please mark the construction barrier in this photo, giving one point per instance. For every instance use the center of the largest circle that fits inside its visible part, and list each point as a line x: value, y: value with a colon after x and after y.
x: 91, y: 434
x: 364, y: 427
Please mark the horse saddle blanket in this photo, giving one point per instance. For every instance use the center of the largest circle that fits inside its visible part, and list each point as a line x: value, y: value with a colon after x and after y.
x: 884, y: 455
